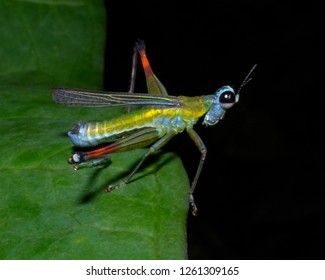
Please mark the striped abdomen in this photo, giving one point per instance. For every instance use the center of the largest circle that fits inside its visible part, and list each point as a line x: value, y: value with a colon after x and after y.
x: 162, y: 119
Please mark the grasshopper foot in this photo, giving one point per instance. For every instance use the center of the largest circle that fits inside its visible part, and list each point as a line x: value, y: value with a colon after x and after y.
x: 192, y: 205
x: 112, y: 187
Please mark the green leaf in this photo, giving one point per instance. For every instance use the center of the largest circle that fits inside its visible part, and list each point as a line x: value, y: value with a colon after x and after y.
x: 49, y: 211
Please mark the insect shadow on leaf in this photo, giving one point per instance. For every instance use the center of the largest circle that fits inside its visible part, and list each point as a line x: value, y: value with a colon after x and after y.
x: 91, y: 191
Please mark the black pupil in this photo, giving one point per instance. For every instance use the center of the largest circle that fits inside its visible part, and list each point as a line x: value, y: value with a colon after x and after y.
x: 227, y: 97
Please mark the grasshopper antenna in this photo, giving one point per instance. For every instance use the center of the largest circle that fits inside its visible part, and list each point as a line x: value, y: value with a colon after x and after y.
x: 247, y: 79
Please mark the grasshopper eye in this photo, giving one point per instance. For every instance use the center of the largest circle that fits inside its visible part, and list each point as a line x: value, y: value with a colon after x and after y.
x: 227, y: 97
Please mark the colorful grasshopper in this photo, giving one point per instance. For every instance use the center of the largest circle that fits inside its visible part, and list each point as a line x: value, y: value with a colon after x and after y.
x: 158, y: 118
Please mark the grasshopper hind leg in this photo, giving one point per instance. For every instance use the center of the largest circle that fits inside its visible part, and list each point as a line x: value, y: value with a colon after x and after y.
x: 80, y: 159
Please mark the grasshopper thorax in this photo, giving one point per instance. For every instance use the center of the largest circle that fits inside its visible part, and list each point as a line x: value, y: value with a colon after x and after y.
x: 224, y: 98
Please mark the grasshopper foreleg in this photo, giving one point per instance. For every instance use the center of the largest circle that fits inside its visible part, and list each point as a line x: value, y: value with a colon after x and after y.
x: 199, y: 143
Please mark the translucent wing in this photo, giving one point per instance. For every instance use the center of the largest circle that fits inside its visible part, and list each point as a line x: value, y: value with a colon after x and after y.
x: 85, y: 98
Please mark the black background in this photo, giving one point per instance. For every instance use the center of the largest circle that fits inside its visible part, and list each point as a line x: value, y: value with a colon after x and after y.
x: 261, y: 193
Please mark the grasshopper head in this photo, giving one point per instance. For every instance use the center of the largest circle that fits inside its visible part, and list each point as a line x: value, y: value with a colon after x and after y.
x: 224, y: 98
